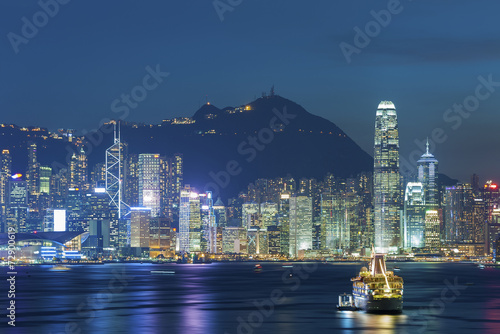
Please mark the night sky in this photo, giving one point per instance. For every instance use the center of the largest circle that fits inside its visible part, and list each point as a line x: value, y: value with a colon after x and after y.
x: 427, y: 58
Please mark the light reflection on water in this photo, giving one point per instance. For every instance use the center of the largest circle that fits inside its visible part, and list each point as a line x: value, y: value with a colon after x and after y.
x: 220, y: 298
x: 372, y: 323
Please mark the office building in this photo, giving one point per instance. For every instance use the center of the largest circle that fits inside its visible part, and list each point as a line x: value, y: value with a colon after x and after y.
x: 427, y: 168
x: 300, y: 224
x: 190, y: 226
x: 149, y: 182
x: 139, y: 227
x: 414, y: 216
x: 386, y: 179
x: 45, y: 175
x: 78, y: 171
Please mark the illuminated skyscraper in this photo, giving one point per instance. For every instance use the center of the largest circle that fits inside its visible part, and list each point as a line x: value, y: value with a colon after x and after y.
x: 131, y: 194
x: 300, y: 224
x: 269, y: 212
x: 273, y: 233
x: 458, y: 214
x: 45, y: 174
x: 17, y: 204
x: 5, y: 172
x: 284, y: 223
x: 114, y: 177
x: 32, y: 177
x: 78, y: 171
x: 432, y: 231
x: 491, y: 196
x: 176, y: 179
x: 98, y: 176
x: 189, y: 221
x: 427, y: 167
x: 220, y: 213
x: 414, y: 216
x: 139, y: 227
x: 149, y: 182
x: 386, y: 178
x: 59, y: 188
x: 231, y: 239
x: 161, y: 240
x: 208, y: 224
x: 250, y: 214
x: 330, y: 221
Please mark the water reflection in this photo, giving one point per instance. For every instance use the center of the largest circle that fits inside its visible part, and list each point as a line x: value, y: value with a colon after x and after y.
x: 372, y: 323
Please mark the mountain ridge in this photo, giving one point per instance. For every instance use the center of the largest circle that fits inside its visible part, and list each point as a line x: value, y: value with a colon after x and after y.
x: 266, y: 138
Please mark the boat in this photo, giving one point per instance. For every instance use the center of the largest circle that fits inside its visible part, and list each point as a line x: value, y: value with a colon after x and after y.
x: 257, y: 268
x: 376, y: 290
x: 162, y: 272
x: 346, y: 303
x: 396, y: 269
x: 59, y: 267
x: 481, y: 266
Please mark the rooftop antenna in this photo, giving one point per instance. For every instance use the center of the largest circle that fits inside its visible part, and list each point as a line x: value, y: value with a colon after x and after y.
x: 427, y: 145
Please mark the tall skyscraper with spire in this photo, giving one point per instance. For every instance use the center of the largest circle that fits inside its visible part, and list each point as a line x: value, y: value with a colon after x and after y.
x: 427, y: 168
x: 386, y: 178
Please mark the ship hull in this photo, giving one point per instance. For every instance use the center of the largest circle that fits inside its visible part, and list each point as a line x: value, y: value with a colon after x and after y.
x: 385, y: 305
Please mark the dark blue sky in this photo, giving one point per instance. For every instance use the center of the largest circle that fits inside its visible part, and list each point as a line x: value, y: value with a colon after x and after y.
x: 427, y: 58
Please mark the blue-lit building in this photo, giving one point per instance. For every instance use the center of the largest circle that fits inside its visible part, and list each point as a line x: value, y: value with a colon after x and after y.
x: 414, y: 216
x: 44, y: 245
x: 17, y: 203
x: 427, y: 168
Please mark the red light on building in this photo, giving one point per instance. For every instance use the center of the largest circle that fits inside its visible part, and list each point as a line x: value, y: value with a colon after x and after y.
x: 493, y: 186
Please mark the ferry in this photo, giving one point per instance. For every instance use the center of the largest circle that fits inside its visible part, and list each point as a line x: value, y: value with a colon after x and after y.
x: 59, y: 267
x: 346, y: 303
x: 377, y: 290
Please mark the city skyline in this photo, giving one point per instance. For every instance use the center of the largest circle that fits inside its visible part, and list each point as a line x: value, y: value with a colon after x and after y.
x: 250, y: 166
x: 408, y: 166
x: 330, y: 88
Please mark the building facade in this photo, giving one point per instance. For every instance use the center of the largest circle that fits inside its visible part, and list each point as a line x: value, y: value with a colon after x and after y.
x: 386, y: 179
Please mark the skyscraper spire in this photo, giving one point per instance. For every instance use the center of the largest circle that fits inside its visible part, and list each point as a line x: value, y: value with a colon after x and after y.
x: 427, y: 146
x: 427, y: 168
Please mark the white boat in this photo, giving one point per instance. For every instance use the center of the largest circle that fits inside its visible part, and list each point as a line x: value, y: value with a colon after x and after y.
x: 376, y: 289
x: 346, y: 303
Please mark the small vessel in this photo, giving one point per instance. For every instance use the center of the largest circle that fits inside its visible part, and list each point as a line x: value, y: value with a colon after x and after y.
x: 376, y: 289
x: 59, y: 267
x: 481, y: 266
x: 346, y: 303
x: 396, y: 269
x: 162, y: 272
x: 257, y: 268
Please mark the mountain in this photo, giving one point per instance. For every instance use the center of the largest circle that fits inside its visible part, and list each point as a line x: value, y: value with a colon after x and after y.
x: 269, y: 137
x: 226, y: 149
